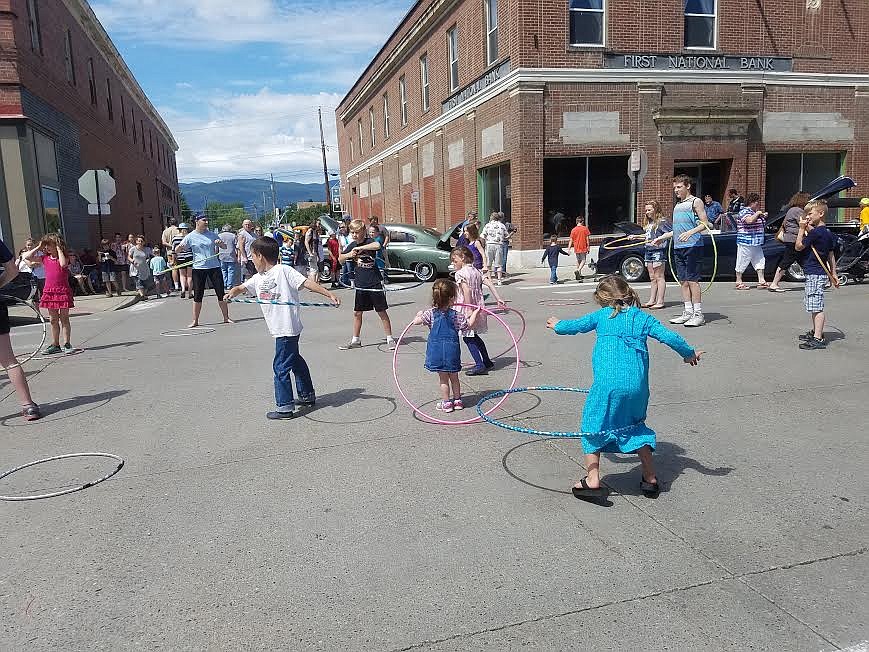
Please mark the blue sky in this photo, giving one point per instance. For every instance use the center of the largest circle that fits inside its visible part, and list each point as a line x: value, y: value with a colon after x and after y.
x: 239, y: 81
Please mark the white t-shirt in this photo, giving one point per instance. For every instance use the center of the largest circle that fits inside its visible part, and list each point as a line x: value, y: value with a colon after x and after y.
x: 280, y: 283
x: 494, y: 233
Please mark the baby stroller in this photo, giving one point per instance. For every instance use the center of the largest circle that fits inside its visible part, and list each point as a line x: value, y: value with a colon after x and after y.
x: 853, y: 262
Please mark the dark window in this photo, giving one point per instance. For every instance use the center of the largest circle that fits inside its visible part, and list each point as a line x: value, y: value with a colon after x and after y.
x: 788, y: 173
x: 401, y: 236
x: 139, y: 192
x: 68, y: 58
x: 453, y: 57
x: 144, y: 144
x: 595, y: 187
x: 491, y: 31
x: 151, y: 142
x: 123, y: 116
x: 133, y: 123
x: 92, y: 82
x: 587, y: 22
x: 700, y: 18
x: 33, y: 26
x: 109, y: 105
x: 402, y: 93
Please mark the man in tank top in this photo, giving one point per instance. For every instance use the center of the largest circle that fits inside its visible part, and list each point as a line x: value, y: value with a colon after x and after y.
x: 689, y: 222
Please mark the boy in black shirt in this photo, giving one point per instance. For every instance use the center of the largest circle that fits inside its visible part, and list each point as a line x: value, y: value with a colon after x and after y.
x: 361, y: 252
x: 816, y: 243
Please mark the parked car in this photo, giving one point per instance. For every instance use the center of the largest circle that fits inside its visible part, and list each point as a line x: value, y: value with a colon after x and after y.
x: 21, y: 287
x: 630, y: 264
x: 419, y: 249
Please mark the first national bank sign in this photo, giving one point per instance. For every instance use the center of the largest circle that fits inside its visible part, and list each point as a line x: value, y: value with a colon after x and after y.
x: 698, y: 62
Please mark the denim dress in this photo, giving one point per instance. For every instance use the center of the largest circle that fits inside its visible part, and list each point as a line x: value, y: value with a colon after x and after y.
x: 442, y: 353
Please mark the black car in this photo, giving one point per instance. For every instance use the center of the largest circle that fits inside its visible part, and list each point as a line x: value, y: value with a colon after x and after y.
x: 630, y: 263
x: 21, y: 287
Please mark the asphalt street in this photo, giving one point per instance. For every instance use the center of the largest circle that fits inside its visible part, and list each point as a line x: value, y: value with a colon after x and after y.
x: 358, y: 526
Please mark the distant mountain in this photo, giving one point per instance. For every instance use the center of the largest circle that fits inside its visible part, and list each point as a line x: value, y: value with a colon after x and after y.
x: 250, y: 191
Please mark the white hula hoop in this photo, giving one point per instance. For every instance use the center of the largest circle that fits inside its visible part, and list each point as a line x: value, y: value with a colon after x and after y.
x: 187, y: 332
x: 38, y: 349
x: 62, y: 492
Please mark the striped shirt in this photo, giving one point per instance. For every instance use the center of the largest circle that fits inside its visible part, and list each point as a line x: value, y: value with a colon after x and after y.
x: 183, y: 256
x: 685, y: 219
x: 751, y: 234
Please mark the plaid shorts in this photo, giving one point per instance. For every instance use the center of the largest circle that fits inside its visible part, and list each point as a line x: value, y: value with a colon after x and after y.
x: 815, y: 285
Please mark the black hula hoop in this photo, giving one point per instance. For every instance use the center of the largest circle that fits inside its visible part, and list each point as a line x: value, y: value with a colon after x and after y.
x: 63, y: 492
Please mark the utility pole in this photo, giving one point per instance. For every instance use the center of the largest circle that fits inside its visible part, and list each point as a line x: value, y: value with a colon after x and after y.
x: 325, y: 170
x: 274, y: 200
x: 264, y: 205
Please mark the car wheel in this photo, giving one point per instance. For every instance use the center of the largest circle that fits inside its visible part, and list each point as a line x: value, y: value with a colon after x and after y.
x: 795, y: 273
x: 633, y: 269
x: 844, y: 279
x: 325, y: 274
x: 425, y: 272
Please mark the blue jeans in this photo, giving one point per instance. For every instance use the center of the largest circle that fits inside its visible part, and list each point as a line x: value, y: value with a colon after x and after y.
x: 553, y: 273
x: 230, y: 274
x: 288, y: 359
x: 346, y: 270
x: 505, y: 248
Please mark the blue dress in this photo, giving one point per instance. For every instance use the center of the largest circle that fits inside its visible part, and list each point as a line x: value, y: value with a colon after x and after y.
x: 443, y: 353
x: 619, y: 394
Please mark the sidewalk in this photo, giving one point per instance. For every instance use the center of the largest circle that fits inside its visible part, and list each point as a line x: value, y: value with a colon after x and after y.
x: 84, y: 305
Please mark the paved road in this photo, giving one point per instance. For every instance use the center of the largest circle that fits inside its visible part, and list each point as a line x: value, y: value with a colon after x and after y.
x: 360, y: 527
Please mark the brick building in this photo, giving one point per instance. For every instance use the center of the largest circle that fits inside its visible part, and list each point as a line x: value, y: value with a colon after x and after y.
x: 533, y: 107
x: 68, y: 103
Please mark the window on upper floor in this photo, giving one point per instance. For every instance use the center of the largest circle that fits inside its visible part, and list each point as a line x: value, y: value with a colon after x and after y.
x: 700, y: 24
x: 123, y: 115
x: 352, y: 150
x: 423, y: 82
x: 453, y: 56
x: 587, y: 22
x: 144, y: 144
x: 92, y: 82
x: 139, y: 195
x: 402, y: 95
x: 33, y: 26
x: 491, y: 11
x: 151, y: 141
x: 386, y: 116
x: 68, y: 59
x: 109, y: 104
x: 361, y: 141
x: 371, y: 123
x: 133, y: 123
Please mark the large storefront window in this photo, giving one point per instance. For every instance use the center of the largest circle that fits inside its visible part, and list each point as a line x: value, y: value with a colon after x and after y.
x: 51, y: 211
x: 596, y: 187
x: 495, y: 191
x: 788, y: 173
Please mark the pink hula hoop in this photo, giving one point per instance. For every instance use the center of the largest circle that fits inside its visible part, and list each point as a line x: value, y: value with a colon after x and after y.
x: 517, y: 340
x: 464, y: 422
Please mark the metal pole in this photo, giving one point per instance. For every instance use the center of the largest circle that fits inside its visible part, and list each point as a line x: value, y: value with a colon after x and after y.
x: 274, y: 199
x: 325, y: 170
x: 636, y: 196
x: 99, y: 203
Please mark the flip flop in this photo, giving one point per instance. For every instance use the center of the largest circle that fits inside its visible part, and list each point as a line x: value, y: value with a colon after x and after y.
x: 762, y: 286
x: 742, y: 287
x: 647, y: 305
x: 589, y: 492
x: 650, y: 489
x: 657, y: 307
x: 776, y: 289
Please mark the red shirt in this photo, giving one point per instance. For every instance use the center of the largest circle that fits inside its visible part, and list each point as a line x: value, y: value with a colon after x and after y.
x: 579, y: 238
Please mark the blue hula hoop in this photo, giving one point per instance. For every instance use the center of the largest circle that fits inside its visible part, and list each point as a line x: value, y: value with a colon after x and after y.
x: 532, y: 431
x: 283, y: 303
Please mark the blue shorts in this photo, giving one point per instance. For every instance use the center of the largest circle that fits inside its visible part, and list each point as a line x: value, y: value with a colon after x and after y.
x: 687, y: 263
x: 655, y: 256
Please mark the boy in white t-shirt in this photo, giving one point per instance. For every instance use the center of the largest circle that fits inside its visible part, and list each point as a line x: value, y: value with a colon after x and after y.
x: 276, y: 282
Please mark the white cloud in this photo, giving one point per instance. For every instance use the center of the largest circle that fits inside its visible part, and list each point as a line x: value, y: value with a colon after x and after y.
x: 303, y: 25
x: 254, y: 134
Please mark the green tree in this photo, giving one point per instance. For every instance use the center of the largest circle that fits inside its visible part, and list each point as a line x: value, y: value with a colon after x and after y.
x: 186, y: 212
x: 220, y: 213
x: 306, y: 216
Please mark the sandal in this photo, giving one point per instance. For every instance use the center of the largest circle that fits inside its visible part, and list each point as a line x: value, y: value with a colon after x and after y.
x: 648, y: 305
x: 772, y: 289
x: 584, y: 491
x: 657, y: 306
x: 650, y: 489
x: 31, y: 412
x: 742, y: 286
x: 763, y: 285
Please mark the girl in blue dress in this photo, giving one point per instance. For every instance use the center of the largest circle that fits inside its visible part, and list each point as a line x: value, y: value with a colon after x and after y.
x: 443, y: 354
x: 613, y: 420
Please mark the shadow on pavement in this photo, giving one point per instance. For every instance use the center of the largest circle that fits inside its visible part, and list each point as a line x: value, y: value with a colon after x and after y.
x: 345, y: 397
x: 57, y: 409
x: 670, y: 463
x: 103, y: 347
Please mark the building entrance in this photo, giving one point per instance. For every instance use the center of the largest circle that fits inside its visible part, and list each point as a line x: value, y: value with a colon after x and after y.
x: 709, y: 177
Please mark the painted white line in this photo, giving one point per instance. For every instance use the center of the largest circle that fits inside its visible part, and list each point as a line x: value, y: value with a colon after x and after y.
x: 533, y: 287
x: 862, y: 646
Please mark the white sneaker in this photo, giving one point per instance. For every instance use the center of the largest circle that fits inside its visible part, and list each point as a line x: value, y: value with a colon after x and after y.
x: 390, y: 344
x: 683, y: 318
x: 697, y: 319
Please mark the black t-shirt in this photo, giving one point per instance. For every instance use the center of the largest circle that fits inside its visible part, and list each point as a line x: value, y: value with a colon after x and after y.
x: 5, y: 254
x: 367, y: 274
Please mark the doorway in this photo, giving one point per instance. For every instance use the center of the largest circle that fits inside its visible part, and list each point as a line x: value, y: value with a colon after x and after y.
x: 708, y: 177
